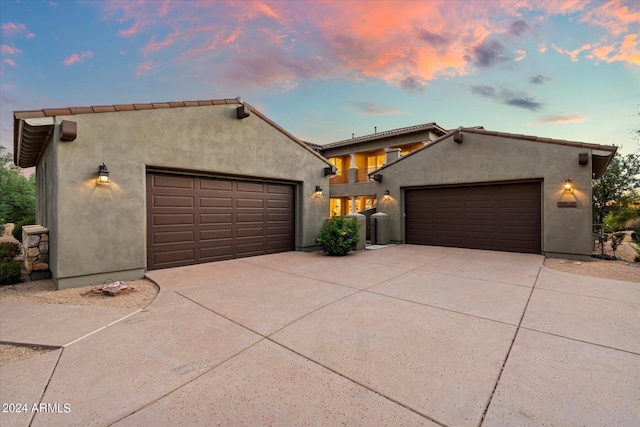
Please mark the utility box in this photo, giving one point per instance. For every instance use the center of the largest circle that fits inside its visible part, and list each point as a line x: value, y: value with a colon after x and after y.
x: 381, y: 235
x: 362, y: 220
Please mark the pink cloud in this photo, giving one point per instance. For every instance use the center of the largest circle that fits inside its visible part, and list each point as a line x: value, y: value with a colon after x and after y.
x: 626, y: 51
x: 407, y: 44
x: 145, y: 67
x: 75, y: 58
x: 573, y: 54
x: 154, y: 46
x: 269, y: 68
x: 131, y: 30
x: 12, y: 29
x: 10, y: 62
x: 614, y: 16
x: 9, y: 50
x: 553, y: 119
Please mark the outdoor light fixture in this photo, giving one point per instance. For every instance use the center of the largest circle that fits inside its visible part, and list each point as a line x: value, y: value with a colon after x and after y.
x: 386, y: 194
x: 318, y: 190
x: 568, y: 186
x: 103, y: 174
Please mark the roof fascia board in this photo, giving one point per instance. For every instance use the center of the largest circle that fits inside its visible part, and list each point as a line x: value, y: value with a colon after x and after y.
x: 40, y: 121
x: 602, y: 153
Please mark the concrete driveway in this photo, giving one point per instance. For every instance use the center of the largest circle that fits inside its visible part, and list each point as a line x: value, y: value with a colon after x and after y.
x: 405, y: 335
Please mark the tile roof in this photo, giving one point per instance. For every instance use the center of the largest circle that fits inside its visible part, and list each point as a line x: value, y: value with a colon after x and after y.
x: 29, y: 140
x: 384, y: 134
x: 599, y: 163
x: 69, y: 111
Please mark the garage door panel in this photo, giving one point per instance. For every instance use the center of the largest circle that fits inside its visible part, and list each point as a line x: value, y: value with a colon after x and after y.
x: 172, y: 201
x: 213, y: 253
x: 279, y: 189
x: 216, y: 234
x: 497, y: 217
x: 279, y: 203
x: 250, y: 217
x: 174, y: 256
x: 250, y: 232
x: 250, y: 187
x: 216, y: 202
x: 221, y: 185
x: 249, y: 203
x: 200, y: 219
x: 173, y: 219
x: 216, y: 218
x: 172, y: 181
x: 173, y: 236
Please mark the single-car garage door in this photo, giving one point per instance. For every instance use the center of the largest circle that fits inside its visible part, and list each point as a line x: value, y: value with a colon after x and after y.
x: 192, y: 219
x: 501, y: 217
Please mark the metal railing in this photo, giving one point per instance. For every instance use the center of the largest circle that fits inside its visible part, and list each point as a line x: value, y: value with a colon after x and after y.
x: 362, y: 174
x: 341, y: 177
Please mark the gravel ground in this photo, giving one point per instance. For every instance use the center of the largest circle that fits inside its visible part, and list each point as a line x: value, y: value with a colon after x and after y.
x: 44, y: 292
x: 13, y: 353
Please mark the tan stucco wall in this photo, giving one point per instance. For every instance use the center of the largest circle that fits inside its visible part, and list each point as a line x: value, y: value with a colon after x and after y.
x: 101, y: 230
x: 46, y: 197
x: 485, y: 159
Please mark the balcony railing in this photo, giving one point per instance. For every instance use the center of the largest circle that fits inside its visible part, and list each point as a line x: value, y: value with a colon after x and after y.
x: 363, y: 174
x: 342, y: 177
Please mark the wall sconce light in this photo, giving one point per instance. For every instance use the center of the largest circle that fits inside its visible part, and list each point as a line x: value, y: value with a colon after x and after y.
x: 103, y: 174
x: 568, y: 186
x: 318, y: 190
x: 387, y: 195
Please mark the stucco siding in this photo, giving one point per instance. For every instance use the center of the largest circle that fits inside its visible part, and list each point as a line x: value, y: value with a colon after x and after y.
x: 103, y: 228
x: 47, y: 197
x: 486, y: 159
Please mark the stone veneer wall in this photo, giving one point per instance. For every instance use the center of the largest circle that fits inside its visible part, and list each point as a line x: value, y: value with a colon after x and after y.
x: 35, y: 247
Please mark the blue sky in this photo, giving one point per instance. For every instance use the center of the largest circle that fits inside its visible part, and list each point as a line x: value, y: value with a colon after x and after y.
x: 324, y: 70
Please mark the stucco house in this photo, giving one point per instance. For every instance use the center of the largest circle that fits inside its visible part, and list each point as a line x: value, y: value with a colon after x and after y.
x: 475, y: 188
x: 351, y: 190
x: 123, y: 189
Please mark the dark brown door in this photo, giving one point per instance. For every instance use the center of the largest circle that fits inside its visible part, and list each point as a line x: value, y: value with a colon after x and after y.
x: 193, y: 219
x: 501, y: 217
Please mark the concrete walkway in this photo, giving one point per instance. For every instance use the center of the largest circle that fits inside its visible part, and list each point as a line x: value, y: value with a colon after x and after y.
x: 406, y: 335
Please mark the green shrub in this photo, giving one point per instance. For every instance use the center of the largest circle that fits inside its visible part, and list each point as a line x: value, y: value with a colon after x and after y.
x: 623, y: 218
x: 339, y: 236
x: 9, y: 272
x: 9, y: 250
x: 17, y: 230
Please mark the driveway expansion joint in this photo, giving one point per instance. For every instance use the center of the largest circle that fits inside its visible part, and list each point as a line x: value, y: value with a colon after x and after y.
x: 515, y: 335
x: 44, y: 390
x: 415, y: 411
x: 581, y: 341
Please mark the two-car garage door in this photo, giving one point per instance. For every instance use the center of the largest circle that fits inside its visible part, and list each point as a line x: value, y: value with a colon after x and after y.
x: 194, y: 219
x: 502, y: 217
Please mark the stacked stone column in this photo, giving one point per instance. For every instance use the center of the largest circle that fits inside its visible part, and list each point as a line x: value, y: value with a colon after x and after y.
x: 35, y: 247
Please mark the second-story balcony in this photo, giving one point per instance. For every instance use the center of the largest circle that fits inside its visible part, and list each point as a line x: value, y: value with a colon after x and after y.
x: 341, y: 177
x: 362, y: 174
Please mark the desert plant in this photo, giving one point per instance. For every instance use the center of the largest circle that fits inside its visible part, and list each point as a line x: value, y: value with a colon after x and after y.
x: 616, y: 240
x: 339, y: 236
x: 17, y: 230
x: 9, y: 250
x: 9, y: 272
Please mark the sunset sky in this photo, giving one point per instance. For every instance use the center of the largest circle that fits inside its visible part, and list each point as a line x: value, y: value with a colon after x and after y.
x: 326, y: 69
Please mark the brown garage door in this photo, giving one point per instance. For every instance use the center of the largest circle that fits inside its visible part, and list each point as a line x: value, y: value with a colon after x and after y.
x: 501, y: 217
x: 194, y: 219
